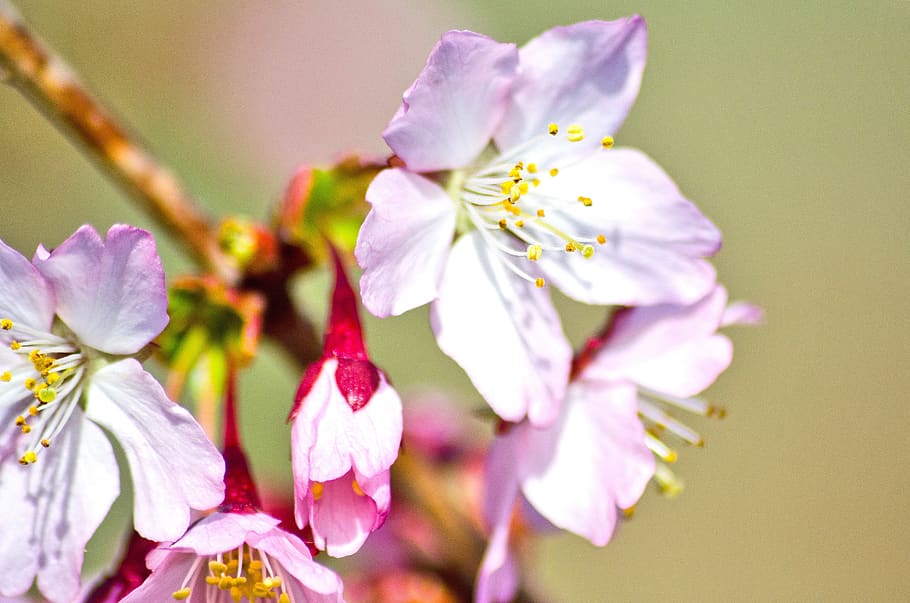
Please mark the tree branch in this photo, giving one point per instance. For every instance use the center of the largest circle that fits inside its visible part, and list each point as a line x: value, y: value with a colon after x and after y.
x: 49, y: 84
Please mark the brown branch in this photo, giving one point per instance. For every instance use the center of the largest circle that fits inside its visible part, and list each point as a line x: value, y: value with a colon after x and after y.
x: 49, y: 84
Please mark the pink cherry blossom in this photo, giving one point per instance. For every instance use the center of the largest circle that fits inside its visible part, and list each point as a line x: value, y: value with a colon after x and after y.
x: 72, y: 321
x: 598, y: 456
x: 507, y: 151
x: 347, y: 427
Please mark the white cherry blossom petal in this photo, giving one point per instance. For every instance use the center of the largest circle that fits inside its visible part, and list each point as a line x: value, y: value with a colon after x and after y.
x: 110, y: 293
x: 25, y: 295
x: 585, y: 74
x: 174, y: 466
x: 448, y: 114
x: 504, y: 332
x: 404, y: 242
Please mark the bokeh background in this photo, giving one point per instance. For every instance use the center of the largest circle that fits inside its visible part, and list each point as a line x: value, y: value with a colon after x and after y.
x: 788, y: 123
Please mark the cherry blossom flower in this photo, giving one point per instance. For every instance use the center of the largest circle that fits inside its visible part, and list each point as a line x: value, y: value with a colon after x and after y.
x: 505, y: 151
x: 347, y: 427
x: 237, y: 553
x: 599, y: 456
x: 72, y: 324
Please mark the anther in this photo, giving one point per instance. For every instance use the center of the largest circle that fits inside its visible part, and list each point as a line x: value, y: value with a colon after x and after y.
x: 182, y: 594
x: 6, y: 376
x: 539, y: 283
x: 33, y: 410
x: 26, y: 429
x: 20, y: 420
x: 532, y: 168
x: 587, y: 251
x: 586, y: 201
x: 28, y: 458
x: 536, y: 182
x: 356, y: 487
x: 534, y: 252
x: 520, y: 223
x: 6, y: 324
x: 575, y: 133
x: 45, y: 442
x: 554, y: 172
x: 541, y: 213
x: 317, y: 489
x: 601, y: 239
x: 553, y: 129
x: 570, y: 247
x: 503, y: 224
x: 607, y: 142
x: 15, y: 345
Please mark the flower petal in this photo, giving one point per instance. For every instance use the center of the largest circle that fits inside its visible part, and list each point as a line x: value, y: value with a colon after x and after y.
x: 52, y: 508
x: 319, y: 441
x: 585, y: 74
x: 174, y: 466
x: 448, y: 115
x: 166, y: 578
x: 404, y: 242
x: 111, y: 293
x: 504, y: 332
x: 25, y: 295
x: 497, y: 577
x: 295, y: 558
x: 221, y: 532
x: 342, y: 519
x: 655, y: 238
x: 578, y: 471
x: 374, y: 432
x: 669, y: 348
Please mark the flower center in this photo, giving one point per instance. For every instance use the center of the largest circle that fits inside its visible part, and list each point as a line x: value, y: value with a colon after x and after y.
x: 242, y: 572
x: 654, y: 410
x: 500, y: 200
x: 52, y: 384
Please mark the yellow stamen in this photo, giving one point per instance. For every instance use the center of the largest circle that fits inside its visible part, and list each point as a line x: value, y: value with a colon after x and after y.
x: 523, y: 187
x: 541, y: 213
x: 317, y: 489
x: 284, y: 598
x: 539, y: 282
x: 514, y: 193
x: 53, y: 378
x: 587, y: 251
x: 536, y: 182
x: 6, y: 376
x: 26, y: 429
x: 6, y: 324
x: 534, y: 252
x: 532, y: 168
x: 570, y: 247
x: 575, y: 133
x: 28, y: 458
x: 356, y: 487
x: 20, y: 420
x: 607, y: 142
x: 45, y: 442
x: 553, y: 129
x: 47, y: 394
x: 15, y: 345
x: 182, y: 594
x: 601, y: 239
x: 506, y: 186
x: 586, y: 201
x: 33, y: 410
x: 503, y: 224
x: 554, y: 172
x: 520, y: 223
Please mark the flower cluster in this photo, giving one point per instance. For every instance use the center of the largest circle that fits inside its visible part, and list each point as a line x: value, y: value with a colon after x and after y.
x: 505, y: 180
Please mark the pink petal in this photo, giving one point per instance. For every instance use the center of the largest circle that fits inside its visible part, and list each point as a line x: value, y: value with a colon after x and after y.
x: 166, y: 578
x: 687, y: 369
x: 586, y: 74
x: 404, y: 242
x: 321, y: 584
x: 497, y: 577
x: 25, y: 296
x: 504, y: 333
x: 639, y: 336
x: 374, y: 431
x: 578, y: 471
x: 221, y: 532
x: 448, y: 115
x: 111, y: 293
x: 52, y: 508
x: 342, y: 519
x: 174, y: 466
x: 320, y: 430
x: 655, y: 238
x: 743, y: 313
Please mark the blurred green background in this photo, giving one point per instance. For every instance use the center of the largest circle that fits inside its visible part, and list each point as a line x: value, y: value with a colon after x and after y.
x: 787, y: 122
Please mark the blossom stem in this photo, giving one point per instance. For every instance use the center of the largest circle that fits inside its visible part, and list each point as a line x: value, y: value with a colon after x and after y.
x: 33, y: 69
